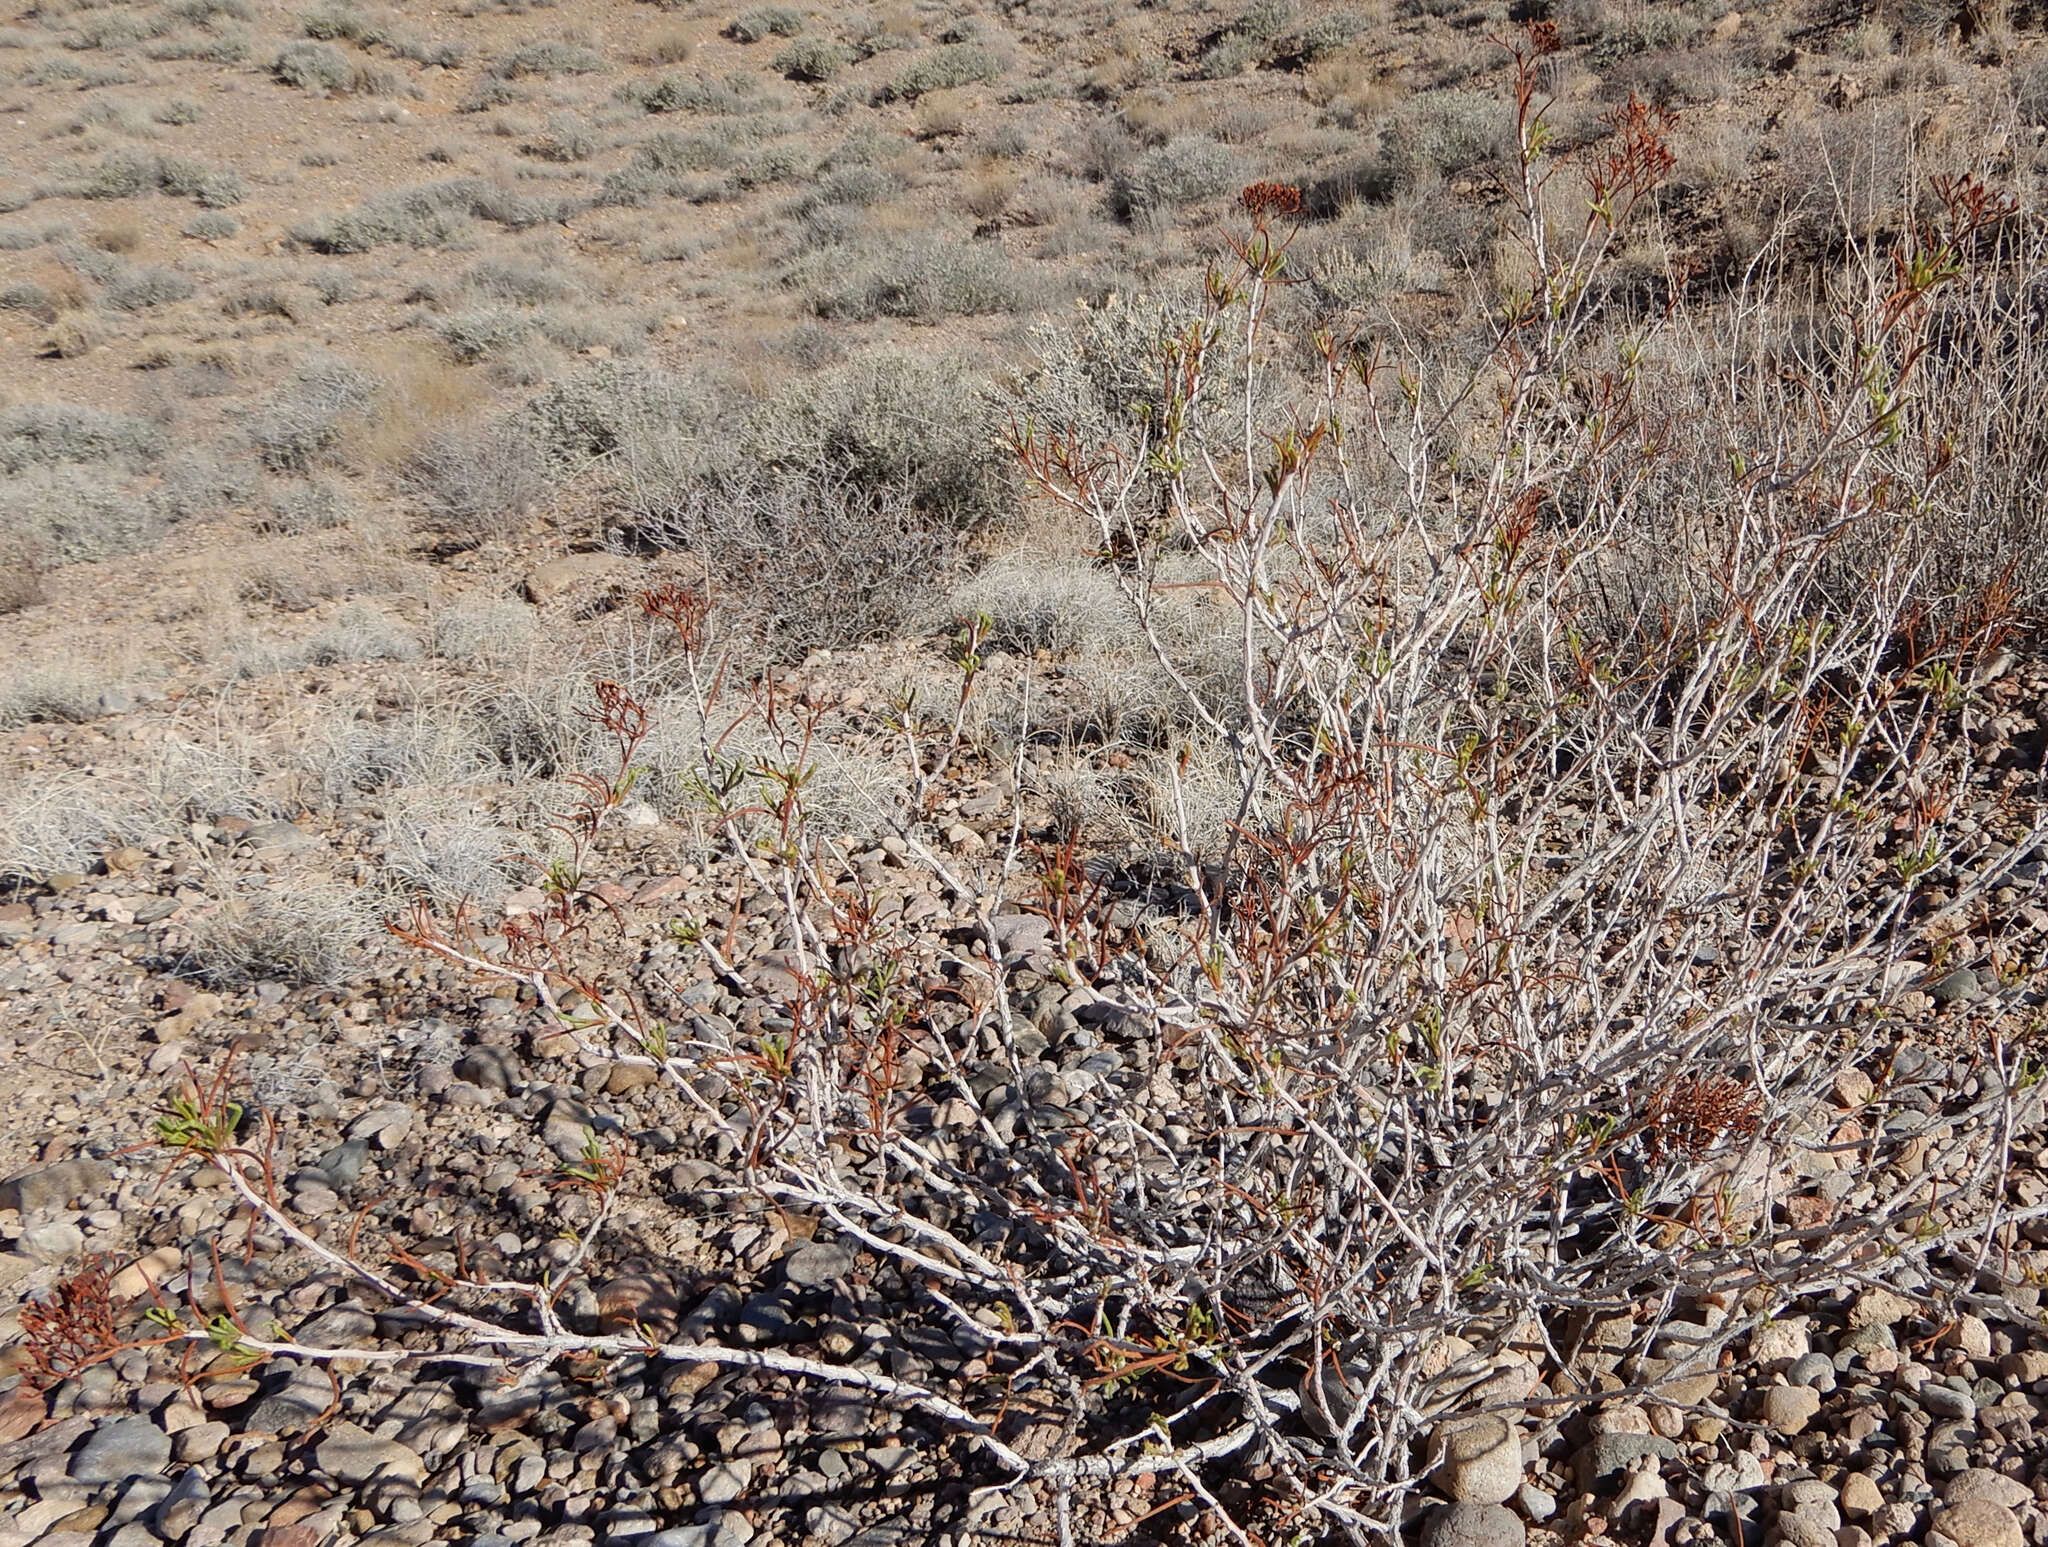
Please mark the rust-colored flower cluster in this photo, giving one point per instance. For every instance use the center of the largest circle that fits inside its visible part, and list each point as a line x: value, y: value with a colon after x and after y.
x: 1699, y: 1113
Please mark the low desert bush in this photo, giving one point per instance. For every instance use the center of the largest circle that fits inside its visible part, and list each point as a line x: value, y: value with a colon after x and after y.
x: 766, y: 21
x: 301, y: 932
x: 199, y: 483
x: 483, y: 332
x: 37, y: 434
x: 489, y: 631
x: 428, y: 215
x: 297, y: 506
x: 141, y: 289
x: 474, y: 483
x: 593, y: 412
x: 322, y: 67
x: 25, y: 295
x: 50, y: 824
x: 127, y: 174
x: 807, y: 563
x: 445, y: 849
x: 79, y: 513
x: 923, y: 281
x: 1180, y: 172
x: 1034, y: 601
x: 1444, y: 132
x: 300, y: 428
x: 861, y: 461
x: 811, y: 59
x: 568, y: 140
x: 69, y: 691
x: 211, y: 226
x: 548, y: 58
x: 682, y: 94
x: 944, y: 68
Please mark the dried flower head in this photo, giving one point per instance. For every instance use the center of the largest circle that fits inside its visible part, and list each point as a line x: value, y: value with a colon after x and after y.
x: 1697, y: 1113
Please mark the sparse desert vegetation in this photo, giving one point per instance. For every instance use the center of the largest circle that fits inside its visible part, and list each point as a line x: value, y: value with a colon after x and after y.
x: 1199, y: 773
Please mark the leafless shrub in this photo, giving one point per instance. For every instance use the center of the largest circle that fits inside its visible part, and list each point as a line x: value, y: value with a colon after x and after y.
x: 302, y: 424
x: 1506, y: 938
x: 77, y: 513
x: 818, y: 562
x: 475, y: 482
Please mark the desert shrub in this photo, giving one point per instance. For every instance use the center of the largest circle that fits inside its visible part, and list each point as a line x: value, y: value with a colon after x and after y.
x: 684, y: 94
x: 361, y: 633
x: 636, y: 184
x: 1179, y: 172
x: 210, y: 187
x: 772, y: 164
x: 22, y: 238
x: 211, y: 226
x: 313, y: 67
x: 41, y: 433
x: 63, y: 692
x: 592, y: 413
x: 337, y: 22
x: 549, y: 58
x: 924, y: 281
x: 127, y: 174
x: 907, y: 440
x: 943, y: 69
x: 427, y: 215
x: 1231, y: 54
x: 810, y: 563
x: 529, y: 284
x: 441, y: 847
x: 78, y: 513
x: 889, y: 32
x: 493, y: 92
x: 1446, y: 132
x: 1099, y: 376
x: 301, y: 426
x: 25, y: 295
x: 204, y: 13
x: 811, y: 59
x: 222, y: 47
x: 475, y: 483
x: 668, y: 151
x: 1038, y: 602
x: 304, y: 932
x: 765, y: 21
x: 490, y: 631
x: 300, y: 505
x: 2030, y: 92
x: 63, y: 823
x: 568, y: 139
x: 22, y: 557
x: 123, y: 175
x: 112, y: 30
x: 198, y: 483
x: 143, y: 288
x: 482, y: 332
x: 1329, y: 33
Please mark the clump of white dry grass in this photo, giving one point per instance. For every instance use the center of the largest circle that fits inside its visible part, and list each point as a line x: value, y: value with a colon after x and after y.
x: 295, y: 930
